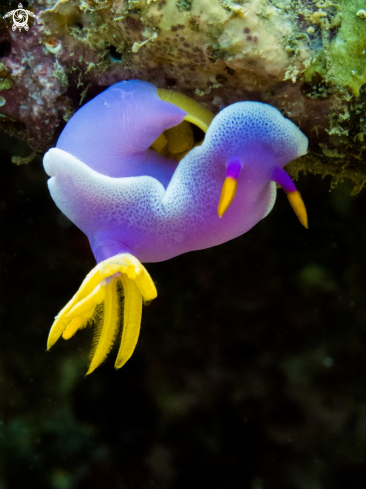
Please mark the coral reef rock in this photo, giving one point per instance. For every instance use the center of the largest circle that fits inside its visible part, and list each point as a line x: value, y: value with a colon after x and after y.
x: 307, y: 58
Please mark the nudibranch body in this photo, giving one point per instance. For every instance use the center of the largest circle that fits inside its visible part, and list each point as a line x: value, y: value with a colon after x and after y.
x: 129, y: 173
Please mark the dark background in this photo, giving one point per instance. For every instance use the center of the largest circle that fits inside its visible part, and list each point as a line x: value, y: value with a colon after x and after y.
x: 250, y: 371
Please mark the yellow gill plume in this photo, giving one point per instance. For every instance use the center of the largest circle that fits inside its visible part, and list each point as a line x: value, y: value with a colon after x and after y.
x: 98, y: 300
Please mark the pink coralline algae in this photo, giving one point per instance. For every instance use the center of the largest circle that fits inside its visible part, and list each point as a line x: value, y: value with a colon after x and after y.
x: 33, y: 96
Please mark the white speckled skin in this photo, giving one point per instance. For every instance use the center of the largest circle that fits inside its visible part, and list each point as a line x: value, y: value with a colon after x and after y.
x: 139, y: 215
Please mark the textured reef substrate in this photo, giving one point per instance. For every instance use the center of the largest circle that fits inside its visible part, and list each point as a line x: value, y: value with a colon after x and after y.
x: 306, y: 58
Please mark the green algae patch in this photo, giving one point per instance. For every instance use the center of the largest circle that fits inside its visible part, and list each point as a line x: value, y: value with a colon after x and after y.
x: 5, y: 84
x: 347, y: 52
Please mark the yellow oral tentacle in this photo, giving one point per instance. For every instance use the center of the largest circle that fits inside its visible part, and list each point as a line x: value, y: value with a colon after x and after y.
x: 159, y: 144
x: 179, y: 138
x: 177, y: 141
x: 227, y: 195
x: 298, y: 206
x: 131, y: 321
x: 196, y: 113
x: 106, y: 328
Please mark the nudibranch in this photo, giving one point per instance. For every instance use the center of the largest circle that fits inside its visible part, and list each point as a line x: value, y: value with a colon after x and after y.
x: 148, y: 174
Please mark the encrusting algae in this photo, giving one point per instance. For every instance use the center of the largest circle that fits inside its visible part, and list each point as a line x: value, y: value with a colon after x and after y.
x: 306, y: 59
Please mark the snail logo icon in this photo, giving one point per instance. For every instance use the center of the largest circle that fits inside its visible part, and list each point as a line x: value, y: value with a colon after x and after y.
x: 20, y: 18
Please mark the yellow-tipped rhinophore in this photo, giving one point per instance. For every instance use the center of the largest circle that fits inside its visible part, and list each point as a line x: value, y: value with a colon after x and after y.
x: 98, y: 299
x: 227, y: 195
x: 298, y: 206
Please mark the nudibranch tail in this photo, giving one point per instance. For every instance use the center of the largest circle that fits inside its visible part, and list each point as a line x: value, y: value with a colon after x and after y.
x: 98, y: 300
x: 282, y: 178
x: 230, y: 186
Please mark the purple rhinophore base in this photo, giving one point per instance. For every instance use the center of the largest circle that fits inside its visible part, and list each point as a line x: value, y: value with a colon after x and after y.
x: 282, y: 178
x: 233, y: 167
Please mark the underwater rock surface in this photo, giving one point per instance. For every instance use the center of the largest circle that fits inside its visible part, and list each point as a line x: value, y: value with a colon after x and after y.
x: 305, y: 58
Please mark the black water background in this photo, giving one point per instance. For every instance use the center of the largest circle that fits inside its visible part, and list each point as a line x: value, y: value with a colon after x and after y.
x: 250, y: 371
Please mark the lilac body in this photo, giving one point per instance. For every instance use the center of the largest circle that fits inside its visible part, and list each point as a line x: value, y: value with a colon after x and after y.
x: 112, y: 132
x: 127, y: 198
